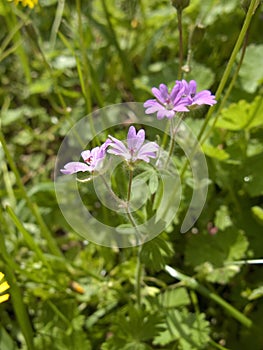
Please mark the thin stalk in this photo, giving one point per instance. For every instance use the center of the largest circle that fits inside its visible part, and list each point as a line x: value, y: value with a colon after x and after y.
x: 56, y: 23
x: 129, y: 185
x: 115, y: 197
x: 138, y: 277
x: 138, y: 271
x: 32, y: 206
x: 231, y: 62
x: 230, y: 87
x: 193, y: 284
x: 126, y: 205
x: 217, y: 346
x: 173, y: 131
x: 181, y: 50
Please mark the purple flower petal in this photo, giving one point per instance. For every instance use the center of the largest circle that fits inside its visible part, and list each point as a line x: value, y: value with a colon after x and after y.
x: 134, y: 141
x: 135, y: 149
x: 74, y: 167
x: 93, y: 160
x: 162, y: 93
x: 204, y: 98
x: 192, y: 87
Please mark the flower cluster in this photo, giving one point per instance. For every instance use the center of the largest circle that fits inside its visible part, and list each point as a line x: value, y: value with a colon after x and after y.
x: 3, y: 287
x: 182, y: 98
x: 29, y: 3
x: 135, y: 150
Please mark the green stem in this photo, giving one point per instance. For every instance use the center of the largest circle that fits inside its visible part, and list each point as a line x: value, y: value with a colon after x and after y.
x: 138, y: 277
x: 231, y: 62
x: 217, y: 346
x: 193, y: 284
x: 173, y: 131
x: 181, y: 52
x: 230, y: 87
x: 138, y: 271
x: 129, y: 185
x: 56, y: 23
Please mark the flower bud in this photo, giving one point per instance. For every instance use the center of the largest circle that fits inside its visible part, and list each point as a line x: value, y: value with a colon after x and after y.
x: 180, y: 4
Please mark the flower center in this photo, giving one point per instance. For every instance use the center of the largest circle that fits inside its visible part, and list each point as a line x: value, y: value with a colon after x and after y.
x: 168, y: 104
x: 88, y: 160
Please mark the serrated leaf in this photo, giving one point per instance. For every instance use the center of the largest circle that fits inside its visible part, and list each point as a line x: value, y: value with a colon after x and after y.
x: 154, y: 252
x: 242, y: 115
x: 206, y: 250
x: 174, y: 298
x: 191, y: 331
x: 139, y: 325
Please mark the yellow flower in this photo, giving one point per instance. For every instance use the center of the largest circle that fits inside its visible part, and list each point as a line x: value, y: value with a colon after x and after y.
x: 30, y: 3
x: 3, y: 287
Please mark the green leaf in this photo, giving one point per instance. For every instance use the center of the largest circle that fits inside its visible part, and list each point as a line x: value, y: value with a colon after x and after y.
x: 191, y: 331
x: 208, y: 254
x: 215, y: 152
x: 254, y: 294
x: 154, y: 254
x: 252, y: 175
x: 222, y: 219
x: 6, y: 342
x: 41, y: 86
x: 138, y: 325
x: 251, y: 72
x: 242, y: 115
x: 153, y: 183
x: 174, y: 298
x: 258, y: 213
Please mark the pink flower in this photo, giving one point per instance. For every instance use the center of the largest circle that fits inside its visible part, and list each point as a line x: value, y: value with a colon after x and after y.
x: 167, y: 104
x: 93, y: 160
x: 182, y: 98
x: 203, y: 97
x: 135, y: 149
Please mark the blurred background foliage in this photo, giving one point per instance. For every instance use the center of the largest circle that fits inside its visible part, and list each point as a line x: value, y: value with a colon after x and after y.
x: 62, y: 60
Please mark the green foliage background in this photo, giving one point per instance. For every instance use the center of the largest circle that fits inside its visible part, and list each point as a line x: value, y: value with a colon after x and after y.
x: 59, y: 62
